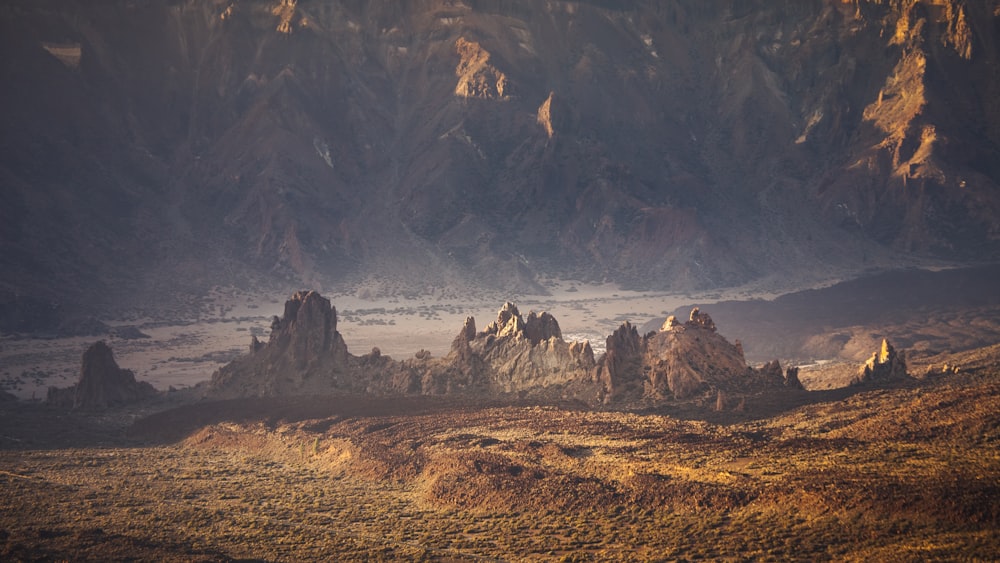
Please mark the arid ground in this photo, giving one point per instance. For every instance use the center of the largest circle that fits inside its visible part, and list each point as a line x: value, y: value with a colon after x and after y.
x: 906, y: 473
x: 900, y: 473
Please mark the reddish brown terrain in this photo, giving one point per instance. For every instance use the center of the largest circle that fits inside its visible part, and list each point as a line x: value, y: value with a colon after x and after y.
x: 696, y: 457
x: 907, y: 472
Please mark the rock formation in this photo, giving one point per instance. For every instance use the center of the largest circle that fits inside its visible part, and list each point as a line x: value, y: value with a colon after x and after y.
x: 885, y: 365
x: 305, y: 352
x: 102, y: 383
x: 514, y: 354
x: 679, y: 361
x: 771, y: 374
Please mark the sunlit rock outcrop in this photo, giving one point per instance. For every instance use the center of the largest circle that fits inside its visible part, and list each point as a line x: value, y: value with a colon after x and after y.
x: 517, y: 354
x: 679, y: 361
x: 885, y: 365
x: 477, y: 77
x: 514, y: 355
x: 682, y: 360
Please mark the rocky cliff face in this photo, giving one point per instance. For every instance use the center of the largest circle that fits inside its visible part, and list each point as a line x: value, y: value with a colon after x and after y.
x: 688, y: 144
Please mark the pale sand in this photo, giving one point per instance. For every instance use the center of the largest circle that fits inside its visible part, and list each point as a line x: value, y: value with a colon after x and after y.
x: 183, y: 351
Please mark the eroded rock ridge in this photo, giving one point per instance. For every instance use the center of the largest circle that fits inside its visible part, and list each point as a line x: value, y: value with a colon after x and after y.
x: 515, y: 355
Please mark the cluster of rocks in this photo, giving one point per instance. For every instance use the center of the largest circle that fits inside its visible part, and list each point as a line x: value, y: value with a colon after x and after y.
x: 885, y: 365
x: 680, y: 360
x: 514, y: 354
x: 306, y: 353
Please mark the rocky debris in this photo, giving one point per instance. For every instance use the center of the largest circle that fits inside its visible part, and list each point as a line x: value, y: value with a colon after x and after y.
x: 102, y: 383
x: 885, y: 365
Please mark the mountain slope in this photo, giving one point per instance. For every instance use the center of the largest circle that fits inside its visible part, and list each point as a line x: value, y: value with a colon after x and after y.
x: 165, y: 146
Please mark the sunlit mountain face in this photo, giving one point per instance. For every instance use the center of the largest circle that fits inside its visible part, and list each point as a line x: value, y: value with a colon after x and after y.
x: 152, y: 149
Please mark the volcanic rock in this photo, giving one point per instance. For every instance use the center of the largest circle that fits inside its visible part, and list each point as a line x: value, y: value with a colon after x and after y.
x: 885, y: 365
x: 102, y: 383
x: 680, y: 361
x: 681, y: 144
x: 701, y: 320
x: 771, y: 374
x: 792, y: 378
x: 519, y: 355
x: 514, y: 354
x: 621, y: 366
x: 304, y: 352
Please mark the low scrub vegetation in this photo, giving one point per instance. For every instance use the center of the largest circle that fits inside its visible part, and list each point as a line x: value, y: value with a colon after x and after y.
x: 909, y: 473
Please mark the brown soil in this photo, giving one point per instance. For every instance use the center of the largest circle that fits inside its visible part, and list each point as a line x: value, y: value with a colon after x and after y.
x: 909, y: 472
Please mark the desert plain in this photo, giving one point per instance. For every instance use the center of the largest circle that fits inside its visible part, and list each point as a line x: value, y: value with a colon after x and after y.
x: 905, y: 471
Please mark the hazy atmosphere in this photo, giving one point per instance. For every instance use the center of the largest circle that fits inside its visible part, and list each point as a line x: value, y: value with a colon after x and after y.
x: 295, y: 280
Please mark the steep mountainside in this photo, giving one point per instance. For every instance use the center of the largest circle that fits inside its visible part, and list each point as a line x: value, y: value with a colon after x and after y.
x: 164, y: 145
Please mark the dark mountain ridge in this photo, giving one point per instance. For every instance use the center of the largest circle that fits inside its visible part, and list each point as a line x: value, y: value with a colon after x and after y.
x: 166, y: 146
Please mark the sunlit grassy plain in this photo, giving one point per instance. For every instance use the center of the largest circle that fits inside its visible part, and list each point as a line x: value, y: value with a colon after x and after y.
x: 905, y: 473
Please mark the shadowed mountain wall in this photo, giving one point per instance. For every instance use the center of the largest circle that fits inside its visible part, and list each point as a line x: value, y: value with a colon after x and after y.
x: 154, y: 147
